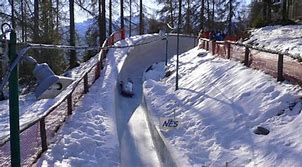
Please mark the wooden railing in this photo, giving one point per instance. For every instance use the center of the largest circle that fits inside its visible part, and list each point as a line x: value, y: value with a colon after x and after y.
x: 68, y: 97
x: 207, y: 44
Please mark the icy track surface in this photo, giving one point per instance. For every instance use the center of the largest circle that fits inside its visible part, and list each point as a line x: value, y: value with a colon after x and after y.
x: 89, y: 137
x: 136, y: 144
x: 220, y: 102
x: 106, y: 128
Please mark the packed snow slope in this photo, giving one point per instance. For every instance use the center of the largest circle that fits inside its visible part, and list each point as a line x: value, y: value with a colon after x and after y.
x: 219, y: 104
x: 135, y: 136
x: 281, y: 38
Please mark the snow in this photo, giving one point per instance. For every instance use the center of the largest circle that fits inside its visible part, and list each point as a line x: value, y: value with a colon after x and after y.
x: 89, y: 137
x: 32, y: 109
x: 281, y: 38
x: 136, y: 136
x: 219, y: 103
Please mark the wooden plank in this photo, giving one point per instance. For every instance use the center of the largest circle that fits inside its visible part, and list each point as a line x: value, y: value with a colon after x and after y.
x: 246, y: 57
x: 213, y: 47
x: 207, y: 45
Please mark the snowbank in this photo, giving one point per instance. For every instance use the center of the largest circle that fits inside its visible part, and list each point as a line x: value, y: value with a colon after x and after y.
x: 89, y: 137
x: 32, y: 109
x: 281, y: 38
x: 220, y: 103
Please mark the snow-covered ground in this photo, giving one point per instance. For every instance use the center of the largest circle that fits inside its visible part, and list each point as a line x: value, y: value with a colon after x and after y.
x: 31, y: 108
x: 219, y: 104
x: 89, y: 137
x: 281, y: 38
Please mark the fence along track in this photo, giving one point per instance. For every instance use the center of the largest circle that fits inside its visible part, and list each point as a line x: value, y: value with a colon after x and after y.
x: 44, y: 127
x: 282, y: 60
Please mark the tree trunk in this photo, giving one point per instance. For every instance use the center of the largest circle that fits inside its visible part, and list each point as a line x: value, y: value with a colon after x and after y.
x: 13, y: 14
x: 284, y: 10
x: 202, y: 15
x: 230, y: 16
x: 213, y: 15
x: 130, y: 20
x: 25, y: 26
x: 209, y: 14
x: 103, y: 22
x: 171, y: 13
x: 57, y: 10
x: 269, y: 11
x: 100, y: 22
x: 36, y: 21
x: 51, y: 16
x: 141, y: 20
x: 264, y: 10
x: 72, y: 58
x: 110, y: 17
x: 188, y: 22
x: 45, y: 21
x: 122, y: 14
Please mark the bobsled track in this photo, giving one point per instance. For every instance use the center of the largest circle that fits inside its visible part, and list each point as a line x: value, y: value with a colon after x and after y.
x: 140, y: 142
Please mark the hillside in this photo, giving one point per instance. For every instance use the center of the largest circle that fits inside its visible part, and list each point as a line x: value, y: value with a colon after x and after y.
x: 281, y: 38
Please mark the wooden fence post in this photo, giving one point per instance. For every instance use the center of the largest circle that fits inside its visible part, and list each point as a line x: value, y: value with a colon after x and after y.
x: 280, y: 68
x: 86, y: 83
x: 229, y: 50
x: 69, y: 104
x: 246, y: 56
x: 43, y: 135
x: 123, y: 33
x: 213, y: 47
x: 207, y: 42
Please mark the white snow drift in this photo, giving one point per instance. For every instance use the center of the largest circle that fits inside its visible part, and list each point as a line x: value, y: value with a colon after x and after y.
x: 281, y: 38
x: 220, y: 103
